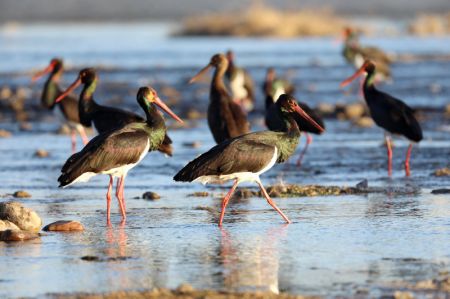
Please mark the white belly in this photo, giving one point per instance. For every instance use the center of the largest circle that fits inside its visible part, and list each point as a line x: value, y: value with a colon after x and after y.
x: 115, y: 172
x: 237, y: 87
x: 240, y: 176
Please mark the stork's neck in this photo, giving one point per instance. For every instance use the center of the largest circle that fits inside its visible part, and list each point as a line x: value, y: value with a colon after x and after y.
x: 217, y: 81
x: 154, y: 118
x: 51, y: 90
x: 369, y: 83
x: 293, y: 131
x: 87, y: 94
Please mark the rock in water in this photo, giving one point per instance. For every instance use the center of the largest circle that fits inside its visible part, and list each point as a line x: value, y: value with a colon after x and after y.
x: 5, y: 225
x: 17, y: 235
x: 151, y: 195
x: 21, y: 194
x: 25, y: 218
x: 64, y: 226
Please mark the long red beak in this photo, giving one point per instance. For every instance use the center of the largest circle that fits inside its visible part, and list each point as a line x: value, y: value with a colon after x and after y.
x: 68, y: 90
x: 164, y: 107
x: 354, y: 76
x: 200, y: 74
x: 47, y: 70
x: 306, y: 116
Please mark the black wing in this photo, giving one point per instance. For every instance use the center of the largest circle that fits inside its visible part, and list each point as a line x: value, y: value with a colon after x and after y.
x: 241, y: 154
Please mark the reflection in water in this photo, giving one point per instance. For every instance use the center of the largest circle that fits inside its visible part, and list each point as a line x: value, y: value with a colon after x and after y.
x: 117, y: 239
x: 253, y: 263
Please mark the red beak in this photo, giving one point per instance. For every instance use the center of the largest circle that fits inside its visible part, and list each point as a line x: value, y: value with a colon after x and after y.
x: 47, y: 70
x: 305, y: 115
x: 68, y: 90
x: 200, y: 73
x: 164, y: 107
x: 354, y: 76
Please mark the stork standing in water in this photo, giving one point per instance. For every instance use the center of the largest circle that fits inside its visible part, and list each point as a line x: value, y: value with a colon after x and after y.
x: 389, y: 113
x: 226, y: 119
x: 241, y: 84
x: 115, y: 152
x: 68, y: 108
x: 273, y: 87
x: 356, y: 54
x: 104, y: 118
x: 246, y: 157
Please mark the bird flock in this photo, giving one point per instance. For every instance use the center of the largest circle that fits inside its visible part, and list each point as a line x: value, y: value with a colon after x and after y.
x: 124, y: 138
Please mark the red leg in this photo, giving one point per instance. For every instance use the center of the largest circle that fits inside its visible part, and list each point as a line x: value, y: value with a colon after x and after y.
x: 225, y: 201
x: 270, y: 201
x: 73, y: 137
x: 83, y: 135
x: 120, y: 199
x: 122, y: 196
x: 408, y: 156
x: 108, y: 201
x: 389, y: 152
x: 308, y: 142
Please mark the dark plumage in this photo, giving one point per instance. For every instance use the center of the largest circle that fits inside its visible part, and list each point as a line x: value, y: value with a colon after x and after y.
x: 105, y: 118
x: 388, y: 112
x: 226, y: 119
x: 245, y: 157
x: 68, y: 108
x: 117, y: 151
x: 272, y: 88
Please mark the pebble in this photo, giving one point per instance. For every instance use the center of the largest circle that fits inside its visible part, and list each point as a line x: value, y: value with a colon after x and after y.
x: 21, y: 194
x: 25, y: 126
x: 151, y: 195
x: 4, y: 133
x: 17, y: 235
x: 195, y: 144
x: 326, y: 109
x: 199, y: 194
x: 5, y: 225
x: 64, y: 226
x: 440, y: 191
x: 41, y: 153
x: 185, y: 288
x: 25, y: 218
x: 364, y: 184
x: 364, y: 122
x: 194, y: 114
x: 354, y: 111
x: 442, y: 172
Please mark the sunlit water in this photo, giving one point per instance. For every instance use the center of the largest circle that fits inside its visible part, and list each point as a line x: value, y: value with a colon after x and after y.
x: 336, y: 245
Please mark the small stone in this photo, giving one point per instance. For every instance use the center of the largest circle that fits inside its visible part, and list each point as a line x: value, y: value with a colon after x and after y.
x: 25, y: 218
x: 25, y: 126
x: 440, y: 191
x: 185, y: 288
x: 41, y: 153
x: 17, y: 235
x: 195, y: 144
x: 199, y: 194
x: 442, y: 172
x: 90, y: 258
x: 364, y: 122
x: 354, y: 111
x: 5, y: 225
x: 64, y: 130
x: 364, y: 184
x: 151, y: 195
x: 4, y: 133
x: 64, y: 226
x: 21, y: 194
x: 325, y: 109
x: 5, y: 93
x: 194, y: 114
x: 403, y: 295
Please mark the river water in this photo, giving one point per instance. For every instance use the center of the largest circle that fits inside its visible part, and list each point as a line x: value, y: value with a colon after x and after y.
x: 337, y: 245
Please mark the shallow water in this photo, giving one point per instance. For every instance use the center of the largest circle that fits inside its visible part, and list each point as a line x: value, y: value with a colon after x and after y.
x: 336, y: 245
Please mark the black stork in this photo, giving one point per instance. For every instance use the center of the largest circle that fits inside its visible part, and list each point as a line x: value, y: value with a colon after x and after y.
x: 241, y: 83
x: 115, y: 152
x: 389, y: 113
x: 104, y: 118
x: 226, y: 119
x: 356, y: 54
x: 246, y: 157
x: 68, y: 108
x: 273, y: 87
